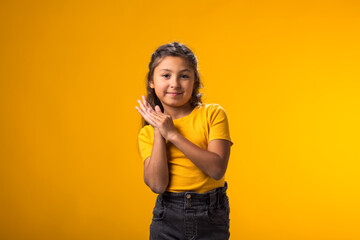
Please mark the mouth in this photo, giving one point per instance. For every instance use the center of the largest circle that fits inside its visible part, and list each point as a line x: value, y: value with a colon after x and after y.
x: 173, y: 93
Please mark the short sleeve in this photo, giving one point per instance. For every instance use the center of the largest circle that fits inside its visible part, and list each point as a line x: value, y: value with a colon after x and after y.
x: 218, y: 124
x: 145, y: 143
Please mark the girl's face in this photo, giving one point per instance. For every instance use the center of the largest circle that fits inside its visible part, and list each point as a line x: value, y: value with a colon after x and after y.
x: 173, y: 81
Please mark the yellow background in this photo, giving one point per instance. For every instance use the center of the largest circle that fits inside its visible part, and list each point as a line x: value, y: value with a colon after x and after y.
x: 286, y: 72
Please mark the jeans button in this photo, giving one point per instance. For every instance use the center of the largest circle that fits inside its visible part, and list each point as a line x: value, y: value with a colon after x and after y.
x: 188, y: 196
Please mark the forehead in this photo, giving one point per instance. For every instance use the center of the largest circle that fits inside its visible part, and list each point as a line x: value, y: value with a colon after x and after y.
x: 173, y: 63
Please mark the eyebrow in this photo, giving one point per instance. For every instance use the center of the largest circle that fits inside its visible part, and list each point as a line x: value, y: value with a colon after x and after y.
x: 171, y: 71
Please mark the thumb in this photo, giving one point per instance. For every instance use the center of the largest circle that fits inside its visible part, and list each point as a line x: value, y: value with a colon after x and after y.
x: 158, y: 109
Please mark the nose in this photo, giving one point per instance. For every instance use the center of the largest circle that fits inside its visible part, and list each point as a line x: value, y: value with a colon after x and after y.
x: 174, y: 82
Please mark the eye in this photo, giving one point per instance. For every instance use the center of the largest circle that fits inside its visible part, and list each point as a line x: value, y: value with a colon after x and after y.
x: 185, y: 76
x: 165, y: 75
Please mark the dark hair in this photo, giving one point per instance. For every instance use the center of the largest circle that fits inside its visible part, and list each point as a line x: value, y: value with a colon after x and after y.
x: 174, y: 49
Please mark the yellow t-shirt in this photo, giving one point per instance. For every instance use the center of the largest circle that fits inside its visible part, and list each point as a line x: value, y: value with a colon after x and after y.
x: 205, y: 123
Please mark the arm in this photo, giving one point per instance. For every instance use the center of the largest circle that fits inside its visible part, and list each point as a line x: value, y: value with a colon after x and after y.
x: 212, y: 161
x: 156, y: 171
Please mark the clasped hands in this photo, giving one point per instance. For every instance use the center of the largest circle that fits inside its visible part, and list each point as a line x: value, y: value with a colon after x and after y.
x: 160, y: 121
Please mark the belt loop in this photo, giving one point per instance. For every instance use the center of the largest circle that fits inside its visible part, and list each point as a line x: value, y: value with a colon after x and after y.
x: 225, y: 186
x: 161, y: 200
x: 221, y: 194
x: 213, y: 198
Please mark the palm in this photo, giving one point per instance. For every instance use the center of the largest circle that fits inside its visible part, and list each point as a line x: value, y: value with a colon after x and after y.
x: 156, y: 118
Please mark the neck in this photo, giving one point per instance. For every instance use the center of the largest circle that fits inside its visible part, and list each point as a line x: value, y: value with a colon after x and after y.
x: 178, y: 112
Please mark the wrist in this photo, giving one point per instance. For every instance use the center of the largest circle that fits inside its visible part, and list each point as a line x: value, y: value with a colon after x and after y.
x: 173, y: 136
x: 157, y: 133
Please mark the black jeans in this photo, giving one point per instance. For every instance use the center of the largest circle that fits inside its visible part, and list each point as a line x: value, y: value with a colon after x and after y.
x: 191, y: 215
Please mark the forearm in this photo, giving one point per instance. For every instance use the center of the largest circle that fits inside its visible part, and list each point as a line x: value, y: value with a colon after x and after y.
x: 209, y: 162
x: 156, y: 171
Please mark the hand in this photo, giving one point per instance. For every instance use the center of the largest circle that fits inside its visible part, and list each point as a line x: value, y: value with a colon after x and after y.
x: 157, y: 119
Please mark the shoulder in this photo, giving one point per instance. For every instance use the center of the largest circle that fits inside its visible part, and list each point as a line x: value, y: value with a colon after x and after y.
x: 211, y: 108
x: 146, y: 132
x: 214, y: 113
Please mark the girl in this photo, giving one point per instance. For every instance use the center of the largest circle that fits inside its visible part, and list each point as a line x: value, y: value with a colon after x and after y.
x: 185, y: 146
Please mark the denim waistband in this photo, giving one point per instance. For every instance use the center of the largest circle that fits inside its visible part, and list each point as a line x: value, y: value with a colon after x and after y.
x: 214, y: 198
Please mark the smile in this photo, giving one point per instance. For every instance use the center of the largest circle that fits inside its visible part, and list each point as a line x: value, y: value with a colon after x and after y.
x: 174, y: 94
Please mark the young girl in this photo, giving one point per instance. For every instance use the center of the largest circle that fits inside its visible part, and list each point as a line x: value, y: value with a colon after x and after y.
x: 185, y: 145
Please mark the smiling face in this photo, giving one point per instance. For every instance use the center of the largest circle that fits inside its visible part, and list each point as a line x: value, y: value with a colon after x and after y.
x: 173, y: 81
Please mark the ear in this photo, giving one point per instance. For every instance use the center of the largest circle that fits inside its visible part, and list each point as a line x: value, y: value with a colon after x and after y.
x: 151, y: 84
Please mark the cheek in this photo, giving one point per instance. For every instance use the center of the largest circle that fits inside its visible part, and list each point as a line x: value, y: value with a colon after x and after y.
x: 160, y: 89
x: 158, y: 85
x: 191, y: 86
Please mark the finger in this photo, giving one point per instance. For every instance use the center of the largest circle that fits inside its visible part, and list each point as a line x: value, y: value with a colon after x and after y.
x: 146, y: 117
x: 142, y: 113
x: 146, y: 103
x: 155, y: 114
x: 158, y: 109
x: 154, y: 118
x: 150, y: 113
x: 142, y: 106
x: 146, y: 113
x: 158, y: 112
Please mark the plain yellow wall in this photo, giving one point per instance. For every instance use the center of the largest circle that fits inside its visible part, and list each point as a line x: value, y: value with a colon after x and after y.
x: 286, y: 72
